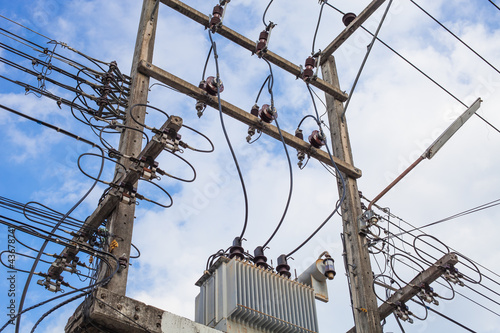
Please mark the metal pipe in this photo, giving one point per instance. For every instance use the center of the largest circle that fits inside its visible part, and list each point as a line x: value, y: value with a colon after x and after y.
x: 395, y: 181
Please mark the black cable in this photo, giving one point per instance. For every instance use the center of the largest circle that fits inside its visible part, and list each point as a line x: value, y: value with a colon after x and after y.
x: 474, y: 264
x: 368, y: 51
x: 262, y: 87
x: 264, y: 15
x: 338, y: 205
x: 348, y: 276
x: 104, y: 281
x: 494, y: 4
x: 290, y: 190
x: 317, y: 26
x: 212, y: 148
x: 19, y: 24
x: 463, y: 213
x: 155, y: 202
x: 28, y: 280
x: 422, y: 72
x: 57, y: 307
x: 206, y: 62
x: 227, y: 136
x: 448, y: 318
x: 164, y: 173
x: 399, y: 323
x: 456, y: 37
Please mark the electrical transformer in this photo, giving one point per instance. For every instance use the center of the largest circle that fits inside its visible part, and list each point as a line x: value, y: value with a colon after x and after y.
x: 237, y: 296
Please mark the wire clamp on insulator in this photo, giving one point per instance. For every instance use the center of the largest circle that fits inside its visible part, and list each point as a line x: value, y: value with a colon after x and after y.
x: 148, y: 168
x: 317, y: 139
x: 452, y: 275
x: 402, y: 312
x: 215, y: 20
x: 301, y: 155
x: 268, y: 113
x: 53, y: 286
x: 200, y: 108
x: 251, y: 129
x: 211, y: 84
x: 122, y: 263
x: 128, y: 193
x: 427, y: 294
x: 263, y: 42
x: 366, y: 220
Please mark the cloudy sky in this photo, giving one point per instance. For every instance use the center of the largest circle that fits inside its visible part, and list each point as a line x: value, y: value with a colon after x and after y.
x: 394, y: 114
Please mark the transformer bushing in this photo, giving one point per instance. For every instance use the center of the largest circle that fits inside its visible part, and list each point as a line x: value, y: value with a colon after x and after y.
x: 283, y: 269
x: 260, y: 259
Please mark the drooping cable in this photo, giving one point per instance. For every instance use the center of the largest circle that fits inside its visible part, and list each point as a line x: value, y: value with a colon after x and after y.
x: 368, y: 51
x: 290, y: 189
x: 240, y: 174
x: 42, y: 248
x: 342, y: 197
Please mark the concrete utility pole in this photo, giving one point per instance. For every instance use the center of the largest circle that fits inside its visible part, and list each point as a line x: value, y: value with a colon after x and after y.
x: 366, y: 314
x: 121, y: 221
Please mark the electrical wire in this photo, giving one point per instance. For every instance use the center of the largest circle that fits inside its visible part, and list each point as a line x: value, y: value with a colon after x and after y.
x: 240, y: 175
x: 317, y: 26
x: 463, y: 213
x: 342, y: 197
x: 19, y: 24
x: 264, y: 16
x: 449, y: 319
x: 42, y: 248
x: 454, y: 35
x: 290, y: 189
x: 421, y: 72
x: 368, y: 51
x: 494, y: 4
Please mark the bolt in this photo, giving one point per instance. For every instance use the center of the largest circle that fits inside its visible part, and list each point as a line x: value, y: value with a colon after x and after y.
x: 136, y: 308
x: 136, y: 316
x: 119, y: 306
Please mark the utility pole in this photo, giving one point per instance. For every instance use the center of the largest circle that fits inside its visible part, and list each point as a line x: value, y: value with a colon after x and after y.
x: 364, y: 301
x: 121, y: 221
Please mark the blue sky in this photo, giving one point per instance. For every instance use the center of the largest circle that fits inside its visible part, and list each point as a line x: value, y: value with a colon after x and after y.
x: 394, y: 114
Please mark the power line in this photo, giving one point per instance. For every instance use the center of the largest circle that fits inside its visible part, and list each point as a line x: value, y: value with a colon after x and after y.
x: 245, y: 223
x: 19, y: 24
x: 420, y: 71
x: 368, y: 51
x: 463, y: 213
x: 494, y: 4
x: 458, y: 38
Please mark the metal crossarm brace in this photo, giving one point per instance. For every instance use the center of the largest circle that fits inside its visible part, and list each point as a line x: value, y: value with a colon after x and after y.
x: 243, y: 116
x: 250, y: 45
x: 411, y: 289
x: 350, y: 29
